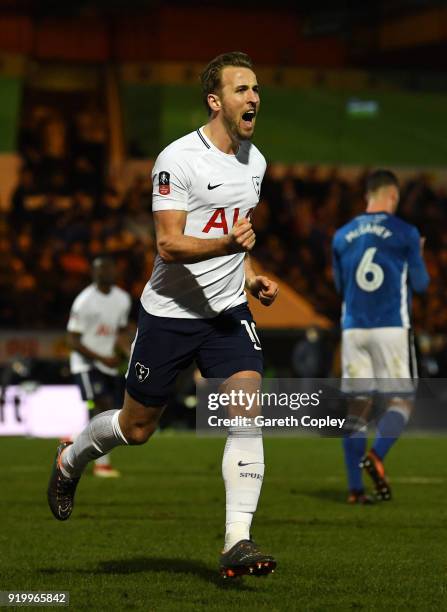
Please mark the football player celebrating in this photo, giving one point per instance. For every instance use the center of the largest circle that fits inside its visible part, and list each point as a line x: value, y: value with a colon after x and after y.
x: 194, y: 306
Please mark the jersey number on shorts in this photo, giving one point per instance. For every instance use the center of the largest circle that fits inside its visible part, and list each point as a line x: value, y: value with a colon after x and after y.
x: 369, y: 275
x: 251, y: 331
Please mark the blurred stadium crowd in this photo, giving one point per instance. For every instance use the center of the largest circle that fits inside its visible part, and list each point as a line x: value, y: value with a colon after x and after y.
x: 64, y: 211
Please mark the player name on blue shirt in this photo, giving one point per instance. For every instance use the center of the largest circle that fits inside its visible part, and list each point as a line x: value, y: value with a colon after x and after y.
x: 369, y: 228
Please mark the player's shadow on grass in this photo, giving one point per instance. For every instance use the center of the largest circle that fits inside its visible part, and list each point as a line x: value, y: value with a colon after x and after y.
x: 156, y: 565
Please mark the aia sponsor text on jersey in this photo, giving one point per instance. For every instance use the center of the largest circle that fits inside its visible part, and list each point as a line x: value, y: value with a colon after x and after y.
x: 218, y: 219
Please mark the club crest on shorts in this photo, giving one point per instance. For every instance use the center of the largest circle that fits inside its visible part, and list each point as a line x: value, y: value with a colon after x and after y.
x: 164, y: 183
x: 256, y: 183
x: 141, y: 371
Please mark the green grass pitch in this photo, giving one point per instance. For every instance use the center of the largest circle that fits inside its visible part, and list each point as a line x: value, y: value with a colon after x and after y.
x: 150, y: 540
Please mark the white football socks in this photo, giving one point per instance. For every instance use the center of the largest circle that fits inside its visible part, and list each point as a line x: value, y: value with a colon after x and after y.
x: 99, y: 437
x: 243, y: 473
x: 104, y: 460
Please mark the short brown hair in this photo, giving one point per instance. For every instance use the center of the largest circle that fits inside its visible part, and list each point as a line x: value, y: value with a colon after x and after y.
x: 210, y: 77
x: 381, y: 178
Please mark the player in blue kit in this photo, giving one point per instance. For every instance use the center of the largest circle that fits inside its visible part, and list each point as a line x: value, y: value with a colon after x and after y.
x: 377, y: 261
x: 194, y: 306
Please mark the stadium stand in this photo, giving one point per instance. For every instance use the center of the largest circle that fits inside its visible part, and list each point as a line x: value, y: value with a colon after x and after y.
x: 53, y: 229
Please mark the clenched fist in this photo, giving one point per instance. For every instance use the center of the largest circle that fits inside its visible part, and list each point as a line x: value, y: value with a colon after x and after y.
x: 242, y: 237
x: 264, y: 289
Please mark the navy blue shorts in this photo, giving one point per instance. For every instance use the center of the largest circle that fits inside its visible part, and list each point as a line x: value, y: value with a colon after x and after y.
x: 164, y: 346
x: 94, y: 384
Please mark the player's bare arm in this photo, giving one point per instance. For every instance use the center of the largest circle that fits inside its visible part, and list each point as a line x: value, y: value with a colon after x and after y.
x: 174, y: 247
x: 261, y: 287
x: 75, y: 344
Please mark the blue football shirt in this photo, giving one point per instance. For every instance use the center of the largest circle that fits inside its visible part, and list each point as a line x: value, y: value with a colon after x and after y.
x: 377, y: 264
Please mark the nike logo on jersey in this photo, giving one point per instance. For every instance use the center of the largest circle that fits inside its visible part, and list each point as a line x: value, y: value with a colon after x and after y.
x: 242, y: 464
x: 214, y: 186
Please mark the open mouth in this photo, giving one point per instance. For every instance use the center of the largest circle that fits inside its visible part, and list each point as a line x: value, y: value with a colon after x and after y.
x: 248, y: 116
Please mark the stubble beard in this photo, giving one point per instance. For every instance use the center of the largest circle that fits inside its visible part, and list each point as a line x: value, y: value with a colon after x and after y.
x: 233, y: 129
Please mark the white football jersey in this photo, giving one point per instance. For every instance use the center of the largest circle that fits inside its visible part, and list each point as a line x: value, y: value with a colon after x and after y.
x: 215, y: 189
x: 98, y: 317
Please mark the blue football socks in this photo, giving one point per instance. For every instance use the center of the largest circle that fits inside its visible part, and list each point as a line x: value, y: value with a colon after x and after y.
x: 389, y: 429
x: 354, y: 448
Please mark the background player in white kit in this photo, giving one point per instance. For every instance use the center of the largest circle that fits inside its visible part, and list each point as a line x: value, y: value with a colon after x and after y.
x: 98, y: 319
x: 194, y: 307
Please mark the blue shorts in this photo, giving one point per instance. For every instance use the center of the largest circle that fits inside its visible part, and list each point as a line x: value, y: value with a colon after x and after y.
x: 164, y: 346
